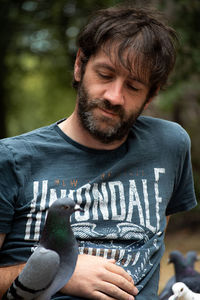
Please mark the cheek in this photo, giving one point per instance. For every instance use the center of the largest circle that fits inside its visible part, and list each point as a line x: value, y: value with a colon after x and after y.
x: 94, y: 91
x: 134, y: 103
x: 134, y: 106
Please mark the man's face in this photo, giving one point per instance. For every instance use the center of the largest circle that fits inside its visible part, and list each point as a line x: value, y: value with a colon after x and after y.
x: 109, y: 99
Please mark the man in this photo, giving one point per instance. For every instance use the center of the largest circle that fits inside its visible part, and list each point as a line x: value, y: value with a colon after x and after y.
x: 128, y: 172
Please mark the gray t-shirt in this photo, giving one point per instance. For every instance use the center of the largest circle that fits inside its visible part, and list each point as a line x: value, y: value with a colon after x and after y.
x: 126, y: 194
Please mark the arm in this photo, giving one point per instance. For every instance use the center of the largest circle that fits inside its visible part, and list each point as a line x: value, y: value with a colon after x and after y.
x: 94, y: 278
x: 2, y: 238
x: 168, y: 217
x: 100, y: 278
x: 7, y: 274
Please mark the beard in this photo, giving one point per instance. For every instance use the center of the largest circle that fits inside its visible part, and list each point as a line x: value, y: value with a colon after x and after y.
x: 103, y: 128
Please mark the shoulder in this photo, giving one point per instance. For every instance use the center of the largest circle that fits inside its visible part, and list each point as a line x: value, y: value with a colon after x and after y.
x: 25, y: 140
x: 160, y: 125
x: 163, y: 131
x: 18, y: 151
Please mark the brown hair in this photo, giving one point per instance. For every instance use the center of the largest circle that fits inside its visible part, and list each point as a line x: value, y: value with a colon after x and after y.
x: 149, y: 43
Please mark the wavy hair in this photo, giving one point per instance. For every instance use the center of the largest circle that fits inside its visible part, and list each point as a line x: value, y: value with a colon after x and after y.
x: 141, y: 41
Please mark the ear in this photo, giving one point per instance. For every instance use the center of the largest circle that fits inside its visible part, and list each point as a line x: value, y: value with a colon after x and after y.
x: 77, y: 66
x: 151, y: 98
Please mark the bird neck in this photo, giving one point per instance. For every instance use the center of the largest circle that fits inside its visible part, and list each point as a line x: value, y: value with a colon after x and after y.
x: 180, y: 269
x: 57, y: 232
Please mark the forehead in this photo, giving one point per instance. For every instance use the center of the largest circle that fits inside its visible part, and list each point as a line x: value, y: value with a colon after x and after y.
x: 128, y: 63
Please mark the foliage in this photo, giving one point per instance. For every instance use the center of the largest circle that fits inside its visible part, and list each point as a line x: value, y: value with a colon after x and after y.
x: 38, y: 60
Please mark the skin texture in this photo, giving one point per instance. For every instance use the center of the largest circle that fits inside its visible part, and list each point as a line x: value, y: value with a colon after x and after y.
x: 7, y: 274
x: 100, y: 278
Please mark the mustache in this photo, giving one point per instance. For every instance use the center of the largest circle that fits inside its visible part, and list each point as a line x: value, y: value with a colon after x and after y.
x: 105, y: 104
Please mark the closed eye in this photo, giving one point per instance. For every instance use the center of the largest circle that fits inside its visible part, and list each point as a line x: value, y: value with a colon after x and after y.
x: 132, y: 87
x: 104, y: 76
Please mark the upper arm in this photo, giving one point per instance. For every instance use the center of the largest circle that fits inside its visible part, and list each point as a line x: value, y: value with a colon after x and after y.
x: 2, y: 238
x: 168, y: 217
x: 167, y: 222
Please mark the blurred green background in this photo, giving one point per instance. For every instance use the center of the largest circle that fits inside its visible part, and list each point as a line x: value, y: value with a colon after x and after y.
x: 37, y: 51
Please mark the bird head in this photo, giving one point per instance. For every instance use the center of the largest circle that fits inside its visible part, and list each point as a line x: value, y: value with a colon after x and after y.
x: 191, y: 258
x: 64, y: 206
x: 180, y: 290
x: 66, y: 203
x: 56, y: 227
x: 175, y: 256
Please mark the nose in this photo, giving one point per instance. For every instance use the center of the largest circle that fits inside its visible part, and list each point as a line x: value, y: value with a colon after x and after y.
x: 114, y: 92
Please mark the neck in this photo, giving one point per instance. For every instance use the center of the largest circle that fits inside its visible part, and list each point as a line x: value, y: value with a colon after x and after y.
x: 73, y: 129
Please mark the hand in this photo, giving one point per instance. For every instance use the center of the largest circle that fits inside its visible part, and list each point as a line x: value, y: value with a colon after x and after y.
x: 98, y: 278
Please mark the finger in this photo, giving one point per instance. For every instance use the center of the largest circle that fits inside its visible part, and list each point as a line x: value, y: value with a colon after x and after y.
x: 101, y: 296
x: 120, y: 282
x: 119, y: 270
x: 110, y: 291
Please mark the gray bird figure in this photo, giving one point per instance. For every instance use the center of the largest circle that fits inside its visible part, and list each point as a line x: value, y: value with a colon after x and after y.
x: 182, y: 292
x: 183, y: 268
x: 53, y: 262
x: 187, y: 275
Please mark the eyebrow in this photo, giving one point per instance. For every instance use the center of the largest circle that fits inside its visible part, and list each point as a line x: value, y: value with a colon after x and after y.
x: 104, y: 65
x: 133, y: 76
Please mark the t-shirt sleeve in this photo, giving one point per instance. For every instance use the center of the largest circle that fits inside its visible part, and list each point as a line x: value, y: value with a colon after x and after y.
x: 183, y: 197
x: 8, y: 188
